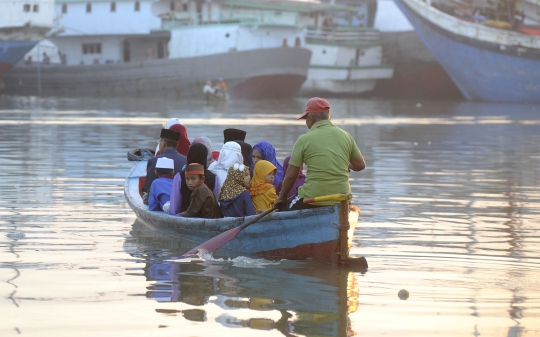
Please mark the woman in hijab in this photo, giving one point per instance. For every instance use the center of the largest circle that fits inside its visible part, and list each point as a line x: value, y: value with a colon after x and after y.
x: 183, y: 143
x: 180, y: 193
x: 234, y: 199
x: 205, y: 141
x: 299, y: 181
x: 246, y: 152
x: 265, y: 151
x: 230, y: 154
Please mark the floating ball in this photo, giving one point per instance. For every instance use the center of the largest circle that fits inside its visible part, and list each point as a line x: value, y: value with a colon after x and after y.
x: 403, y: 294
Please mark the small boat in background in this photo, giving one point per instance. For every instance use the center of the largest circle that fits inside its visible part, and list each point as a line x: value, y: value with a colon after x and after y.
x: 215, y: 98
x: 485, y: 63
x: 294, y: 235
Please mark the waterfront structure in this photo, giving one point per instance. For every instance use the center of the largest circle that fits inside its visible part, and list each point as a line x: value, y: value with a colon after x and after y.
x: 485, y: 63
x: 169, y: 49
x: 23, y: 23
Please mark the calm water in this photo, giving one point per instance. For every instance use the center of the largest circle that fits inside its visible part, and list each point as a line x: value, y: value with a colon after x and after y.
x: 450, y: 211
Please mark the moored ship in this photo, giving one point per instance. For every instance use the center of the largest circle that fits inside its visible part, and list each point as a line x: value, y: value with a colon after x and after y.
x: 488, y: 60
x: 167, y: 49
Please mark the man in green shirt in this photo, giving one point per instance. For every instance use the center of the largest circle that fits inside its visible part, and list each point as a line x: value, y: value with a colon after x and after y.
x: 329, y: 154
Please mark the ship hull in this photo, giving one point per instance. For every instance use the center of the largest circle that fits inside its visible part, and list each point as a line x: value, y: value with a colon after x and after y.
x: 482, y: 70
x: 272, y: 72
x: 11, y: 52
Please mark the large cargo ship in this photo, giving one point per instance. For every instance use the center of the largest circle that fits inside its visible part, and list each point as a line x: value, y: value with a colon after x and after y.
x: 488, y: 60
x: 167, y: 49
x: 22, y: 26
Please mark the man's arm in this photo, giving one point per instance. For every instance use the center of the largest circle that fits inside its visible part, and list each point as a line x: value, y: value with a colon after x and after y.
x: 290, y: 177
x: 357, y: 163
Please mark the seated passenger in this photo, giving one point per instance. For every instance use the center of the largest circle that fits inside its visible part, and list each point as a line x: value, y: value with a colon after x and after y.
x: 203, y: 203
x: 181, y: 194
x: 263, y: 193
x: 160, y: 190
x: 230, y: 154
x: 265, y: 151
x: 297, y: 183
x: 235, y: 200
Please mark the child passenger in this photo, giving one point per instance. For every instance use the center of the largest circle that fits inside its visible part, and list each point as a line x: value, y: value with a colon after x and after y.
x: 263, y: 193
x: 203, y: 202
x: 234, y: 199
x: 160, y: 190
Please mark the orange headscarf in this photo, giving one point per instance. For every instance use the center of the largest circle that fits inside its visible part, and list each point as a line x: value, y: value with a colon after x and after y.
x: 262, y: 193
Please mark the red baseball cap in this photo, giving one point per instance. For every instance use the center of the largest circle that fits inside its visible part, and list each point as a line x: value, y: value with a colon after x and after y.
x: 315, y: 105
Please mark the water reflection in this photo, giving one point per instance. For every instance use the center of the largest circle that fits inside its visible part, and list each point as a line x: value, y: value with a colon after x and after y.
x: 306, y: 298
x: 450, y: 211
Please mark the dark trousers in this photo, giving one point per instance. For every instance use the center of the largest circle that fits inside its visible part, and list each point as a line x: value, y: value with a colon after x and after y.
x: 298, y: 203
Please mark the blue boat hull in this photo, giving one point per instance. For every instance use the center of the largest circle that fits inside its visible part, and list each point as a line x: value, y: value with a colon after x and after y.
x: 11, y: 52
x: 483, y: 71
x: 294, y: 235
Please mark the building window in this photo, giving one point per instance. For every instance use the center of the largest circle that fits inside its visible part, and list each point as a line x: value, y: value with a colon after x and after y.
x: 172, y: 6
x: 113, y: 6
x: 26, y: 8
x: 64, y: 8
x: 88, y: 8
x: 36, y: 8
x: 91, y: 48
x: 137, y: 6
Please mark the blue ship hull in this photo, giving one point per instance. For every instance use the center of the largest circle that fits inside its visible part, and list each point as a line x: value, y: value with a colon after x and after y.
x: 483, y: 71
x: 11, y: 52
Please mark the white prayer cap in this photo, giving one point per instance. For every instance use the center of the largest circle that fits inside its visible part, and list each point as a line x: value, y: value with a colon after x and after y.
x: 165, y: 163
x: 171, y: 122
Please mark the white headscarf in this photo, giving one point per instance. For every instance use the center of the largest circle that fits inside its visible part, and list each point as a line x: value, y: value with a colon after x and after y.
x: 171, y: 122
x: 229, y: 155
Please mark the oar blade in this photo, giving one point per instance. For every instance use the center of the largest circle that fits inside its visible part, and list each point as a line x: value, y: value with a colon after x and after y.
x: 215, y: 242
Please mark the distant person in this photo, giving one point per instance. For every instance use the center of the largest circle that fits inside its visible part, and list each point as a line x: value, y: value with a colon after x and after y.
x: 328, y: 152
x: 203, y: 203
x: 167, y: 146
x: 262, y: 191
x: 208, y: 89
x: 221, y: 87
x: 46, y: 58
x: 160, y: 191
x: 265, y: 151
x: 299, y: 181
x: 235, y: 199
x: 28, y: 61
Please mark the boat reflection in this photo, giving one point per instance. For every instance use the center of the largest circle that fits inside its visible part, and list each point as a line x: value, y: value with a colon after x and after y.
x: 291, y: 297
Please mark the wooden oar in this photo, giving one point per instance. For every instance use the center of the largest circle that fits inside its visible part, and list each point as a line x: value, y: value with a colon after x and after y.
x: 218, y: 241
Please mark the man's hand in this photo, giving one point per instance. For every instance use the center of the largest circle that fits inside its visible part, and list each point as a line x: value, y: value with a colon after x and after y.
x: 280, y: 201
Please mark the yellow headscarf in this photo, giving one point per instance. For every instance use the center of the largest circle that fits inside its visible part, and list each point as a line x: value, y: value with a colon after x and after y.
x: 262, y: 193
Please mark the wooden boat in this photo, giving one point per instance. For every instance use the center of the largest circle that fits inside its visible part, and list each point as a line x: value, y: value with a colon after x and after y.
x: 293, y: 235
